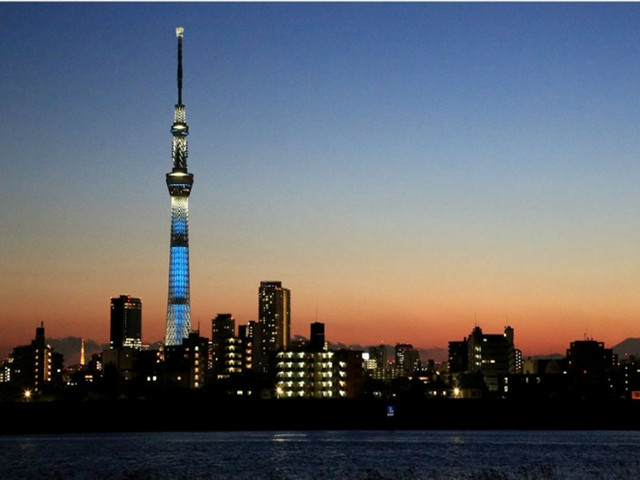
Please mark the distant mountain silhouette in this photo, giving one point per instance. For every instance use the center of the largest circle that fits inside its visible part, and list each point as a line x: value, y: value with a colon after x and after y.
x: 548, y: 356
x: 435, y: 354
x: 627, y: 348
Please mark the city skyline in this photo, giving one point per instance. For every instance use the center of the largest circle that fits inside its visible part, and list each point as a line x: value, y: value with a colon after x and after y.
x: 407, y: 170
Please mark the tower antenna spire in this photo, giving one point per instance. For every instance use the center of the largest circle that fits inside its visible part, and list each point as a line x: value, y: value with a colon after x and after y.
x: 179, y: 34
x: 179, y: 182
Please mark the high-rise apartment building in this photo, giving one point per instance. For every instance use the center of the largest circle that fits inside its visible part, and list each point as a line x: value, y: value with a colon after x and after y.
x: 222, y: 328
x: 274, y: 317
x: 186, y: 365
x: 251, y: 338
x: 379, y: 355
x: 494, y: 356
x: 179, y: 182
x: 326, y: 374
x: 407, y: 358
x: 34, y: 366
x: 126, y: 322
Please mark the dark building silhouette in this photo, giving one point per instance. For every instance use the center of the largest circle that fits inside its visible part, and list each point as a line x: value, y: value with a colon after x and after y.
x: 380, y: 369
x: 186, y: 365
x: 316, y: 339
x: 379, y: 354
x: 491, y: 357
x: 591, y: 369
x: 628, y: 381
x: 540, y: 379
x: 351, y: 363
x: 590, y: 357
x: 458, y: 356
x: 120, y: 362
x: 407, y: 358
x: 126, y: 322
x: 35, y: 366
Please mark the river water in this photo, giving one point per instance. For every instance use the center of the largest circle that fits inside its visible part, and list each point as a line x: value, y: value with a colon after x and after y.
x: 366, y: 455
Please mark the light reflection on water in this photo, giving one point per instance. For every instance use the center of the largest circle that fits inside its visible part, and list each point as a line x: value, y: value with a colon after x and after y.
x: 366, y: 455
x: 289, y: 437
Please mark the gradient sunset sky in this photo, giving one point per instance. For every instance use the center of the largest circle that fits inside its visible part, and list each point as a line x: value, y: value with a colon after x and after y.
x: 408, y: 170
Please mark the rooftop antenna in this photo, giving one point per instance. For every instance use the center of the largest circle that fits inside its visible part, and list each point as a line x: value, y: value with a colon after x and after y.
x: 180, y: 35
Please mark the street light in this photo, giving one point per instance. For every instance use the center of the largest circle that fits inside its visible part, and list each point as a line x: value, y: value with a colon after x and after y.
x: 27, y: 395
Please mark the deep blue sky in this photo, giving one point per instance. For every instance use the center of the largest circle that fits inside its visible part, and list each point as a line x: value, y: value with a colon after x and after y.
x: 407, y: 169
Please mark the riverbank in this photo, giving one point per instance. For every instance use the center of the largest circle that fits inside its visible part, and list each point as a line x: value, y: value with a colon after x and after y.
x: 202, y: 414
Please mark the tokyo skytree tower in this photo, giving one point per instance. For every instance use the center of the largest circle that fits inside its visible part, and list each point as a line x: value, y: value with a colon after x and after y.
x: 179, y: 182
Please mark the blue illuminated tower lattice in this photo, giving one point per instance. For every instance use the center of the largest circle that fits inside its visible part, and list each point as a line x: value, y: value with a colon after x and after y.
x: 179, y: 182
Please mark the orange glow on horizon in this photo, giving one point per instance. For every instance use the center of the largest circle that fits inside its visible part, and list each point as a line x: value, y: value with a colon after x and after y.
x: 365, y: 320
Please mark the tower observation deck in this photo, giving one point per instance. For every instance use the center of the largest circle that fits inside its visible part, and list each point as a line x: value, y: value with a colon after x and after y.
x: 179, y: 182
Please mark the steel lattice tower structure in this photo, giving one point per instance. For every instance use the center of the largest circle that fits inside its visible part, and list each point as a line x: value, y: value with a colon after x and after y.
x: 179, y: 182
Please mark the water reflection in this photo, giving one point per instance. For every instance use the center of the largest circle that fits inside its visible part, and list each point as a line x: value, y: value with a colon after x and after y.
x: 317, y: 455
x: 289, y: 437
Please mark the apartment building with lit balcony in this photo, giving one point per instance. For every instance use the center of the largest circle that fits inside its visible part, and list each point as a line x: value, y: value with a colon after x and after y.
x: 325, y: 374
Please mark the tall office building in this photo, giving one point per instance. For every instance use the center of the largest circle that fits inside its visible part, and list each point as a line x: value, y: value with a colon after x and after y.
x: 274, y: 318
x: 126, y: 322
x: 179, y: 182
x: 317, y: 342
